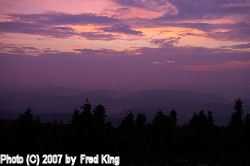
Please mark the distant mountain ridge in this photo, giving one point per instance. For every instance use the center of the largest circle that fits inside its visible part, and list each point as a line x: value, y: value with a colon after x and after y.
x: 60, y: 102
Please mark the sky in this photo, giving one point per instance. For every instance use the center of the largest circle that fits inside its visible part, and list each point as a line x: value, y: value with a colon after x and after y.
x: 131, y: 44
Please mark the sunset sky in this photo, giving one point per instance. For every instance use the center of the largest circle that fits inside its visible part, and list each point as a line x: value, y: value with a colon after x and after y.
x: 134, y: 44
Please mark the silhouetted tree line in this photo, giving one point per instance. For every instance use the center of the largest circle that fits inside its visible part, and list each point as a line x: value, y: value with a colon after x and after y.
x: 138, y: 142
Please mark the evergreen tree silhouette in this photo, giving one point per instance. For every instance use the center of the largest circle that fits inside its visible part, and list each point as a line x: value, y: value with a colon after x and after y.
x: 86, y: 107
x: 210, y: 118
x: 163, y: 121
x: 247, y: 121
x: 160, y: 142
x: 201, y: 121
x: 75, y: 121
x: 99, y: 115
x: 86, y: 115
x: 173, y: 118
x: 160, y: 120
x: 140, y: 121
x: 27, y: 118
x: 236, y: 118
x: 127, y: 124
x: 27, y: 129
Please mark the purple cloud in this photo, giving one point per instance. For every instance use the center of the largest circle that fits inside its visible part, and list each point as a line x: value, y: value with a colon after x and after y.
x: 36, y: 29
x: 107, y: 66
x: 24, y: 50
x: 235, y: 32
x: 122, y: 28
x: 44, y: 24
x: 166, y: 42
x: 98, y: 36
x: 64, y: 19
x: 123, y: 10
x: 153, y: 5
x: 239, y: 46
x: 45, y: 30
x: 197, y: 9
x: 189, y: 10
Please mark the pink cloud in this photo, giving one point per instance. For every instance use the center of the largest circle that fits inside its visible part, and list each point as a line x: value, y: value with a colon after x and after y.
x: 73, y: 7
x: 231, y: 65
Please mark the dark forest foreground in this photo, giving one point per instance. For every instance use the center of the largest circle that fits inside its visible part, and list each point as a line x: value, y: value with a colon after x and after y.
x: 162, y: 142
